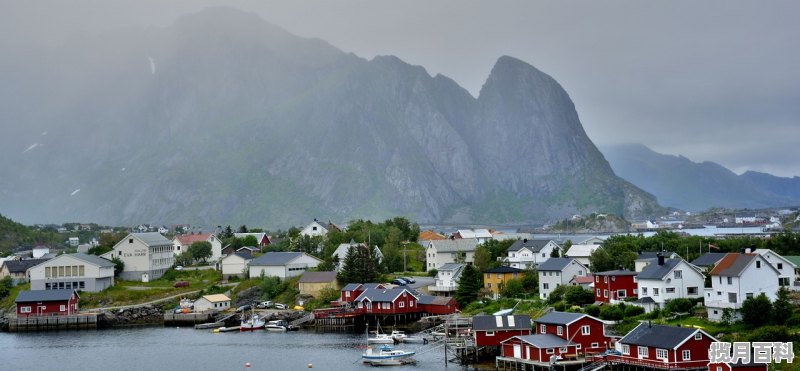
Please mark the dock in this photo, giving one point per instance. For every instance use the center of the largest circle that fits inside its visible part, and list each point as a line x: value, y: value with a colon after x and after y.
x: 86, y: 321
x: 188, y: 319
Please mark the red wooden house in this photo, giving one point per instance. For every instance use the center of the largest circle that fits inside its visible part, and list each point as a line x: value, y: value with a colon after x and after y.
x: 388, y: 301
x: 614, y: 286
x: 587, y: 332
x: 47, y: 302
x: 492, y: 330
x: 539, y: 348
x: 350, y: 292
x: 664, y: 347
x: 437, y: 305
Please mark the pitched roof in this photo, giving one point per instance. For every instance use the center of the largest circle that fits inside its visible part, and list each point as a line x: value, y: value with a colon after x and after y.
x: 458, y: 244
x: 657, y: 272
x: 560, y: 318
x: 258, y: 235
x: 645, y: 300
x: 188, y: 239
x: 795, y: 259
x: 435, y: 300
x: 450, y: 267
x: 509, y: 322
x: 581, y: 250
x: 44, y: 295
x: 351, y: 287
x: 244, y: 255
x: 474, y: 233
x: 342, y: 249
x: 618, y: 272
x: 275, y: 258
x: 658, y: 336
x: 152, y: 238
x: 504, y: 269
x: 708, y: 258
x: 733, y: 264
x: 21, y: 266
x: 583, y: 279
x: 555, y: 264
x: 767, y: 253
x: 216, y: 298
x: 92, y: 259
x: 318, y: 277
x: 533, y: 245
x: 383, y: 295
x: 430, y: 236
x: 544, y: 341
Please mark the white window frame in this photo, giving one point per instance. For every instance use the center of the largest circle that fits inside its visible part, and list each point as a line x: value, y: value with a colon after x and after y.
x: 559, y: 330
x: 698, y: 336
x: 586, y: 330
x: 562, y: 350
x: 489, y: 333
x: 550, y: 350
x: 543, y: 328
x: 687, y: 355
x: 626, y: 349
x: 26, y: 309
x: 662, y: 354
x: 62, y: 308
x: 595, y: 345
x: 642, y: 352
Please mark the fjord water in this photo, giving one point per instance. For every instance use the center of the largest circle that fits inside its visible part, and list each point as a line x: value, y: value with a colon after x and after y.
x: 157, y: 348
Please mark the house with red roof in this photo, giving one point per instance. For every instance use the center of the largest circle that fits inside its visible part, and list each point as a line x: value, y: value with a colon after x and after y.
x: 736, y: 278
x: 181, y: 244
x: 664, y: 347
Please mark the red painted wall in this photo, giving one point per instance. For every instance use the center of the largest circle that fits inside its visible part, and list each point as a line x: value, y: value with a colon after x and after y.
x: 408, y: 300
x: 451, y: 307
x: 698, y: 349
x: 49, y: 307
x: 532, y: 353
x: 614, y: 283
x: 483, y: 340
x: 573, y: 332
x: 353, y: 295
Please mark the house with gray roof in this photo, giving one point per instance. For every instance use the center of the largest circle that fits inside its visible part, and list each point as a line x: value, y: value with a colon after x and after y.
x: 341, y: 252
x: 441, y: 252
x: 147, y: 256
x: 667, y: 279
x: 646, y: 258
x: 78, y: 271
x: 708, y: 259
x: 736, y: 278
x: 558, y: 271
x: 236, y: 264
x: 664, y: 347
x: 282, y: 264
x: 18, y: 269
x: 446, y: 282
x: 525, y: 253
x: 492, y: 330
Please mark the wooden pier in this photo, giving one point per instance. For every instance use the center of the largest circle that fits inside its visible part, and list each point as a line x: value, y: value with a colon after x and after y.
x: 188, y: 319
x: 53, y: 323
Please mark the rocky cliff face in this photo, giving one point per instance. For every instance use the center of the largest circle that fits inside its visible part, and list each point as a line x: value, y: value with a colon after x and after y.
x: 224, y: 118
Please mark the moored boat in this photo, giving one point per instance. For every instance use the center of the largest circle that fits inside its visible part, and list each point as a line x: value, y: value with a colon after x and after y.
x: 254, y: 322
x: 386, y: 356
x: 380, y: 339
x: 277, y: 326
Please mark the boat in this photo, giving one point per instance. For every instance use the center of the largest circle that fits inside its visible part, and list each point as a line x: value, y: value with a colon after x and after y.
x: 398, y: 336
x: 380, y: 339
x: 386, y: 356
x: 253, y: 322
x: 415, y: 339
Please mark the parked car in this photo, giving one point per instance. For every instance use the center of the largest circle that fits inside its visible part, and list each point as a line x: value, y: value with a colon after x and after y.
x: 281, y: 306
x: 243, y: 308
x: 179, y: 268
x: 409, y: 279
x: 264, y: 305
x: 181, y: 284
x: 399, y: 281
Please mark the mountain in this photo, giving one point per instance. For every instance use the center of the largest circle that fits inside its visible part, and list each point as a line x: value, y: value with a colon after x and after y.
x: 225, y: 118
x: 681, y: 183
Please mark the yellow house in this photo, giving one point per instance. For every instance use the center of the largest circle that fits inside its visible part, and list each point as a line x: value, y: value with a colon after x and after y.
x: 311, y: 283
x: 494, y: 279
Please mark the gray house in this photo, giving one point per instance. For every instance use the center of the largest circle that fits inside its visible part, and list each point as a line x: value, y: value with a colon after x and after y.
x: 73, y: 271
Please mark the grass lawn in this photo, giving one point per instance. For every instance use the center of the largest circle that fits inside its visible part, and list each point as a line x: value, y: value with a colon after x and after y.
x: 8, y: 302
x: 532, y: 307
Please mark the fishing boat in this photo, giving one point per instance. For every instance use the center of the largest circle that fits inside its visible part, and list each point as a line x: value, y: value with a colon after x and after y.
x: 253, y: 322
x: 386, y: 356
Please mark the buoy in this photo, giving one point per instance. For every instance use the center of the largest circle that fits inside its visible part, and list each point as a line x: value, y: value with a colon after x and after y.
x: 310, y: 365
x: 247, y: 365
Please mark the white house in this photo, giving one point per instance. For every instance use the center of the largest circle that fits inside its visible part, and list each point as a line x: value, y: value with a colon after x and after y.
x: 525, y: 253
x: 783, y: 265
x: 736, y: 278
x: 667, y: 279
x: 73, y: 271
x: 74, y: 241
x: 217, y: 302
x: 282, y: 264
x: 146, y: 256
x: 558, y: 271
x: 647, y: 257
x: 482, y: 235
x: 314, y: 229
x: 341, y: 252
x: 581, y: 253
x: 181, y: 244
x: 236, y: 264
x: 441, y: 252
x: 446, y: 282
x: 39, y: 252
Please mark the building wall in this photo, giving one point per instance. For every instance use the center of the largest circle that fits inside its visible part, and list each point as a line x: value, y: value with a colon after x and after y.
x: 350, y: 296
x: 269, y: 271
x: 409, y: 305
x: 753, y: 280
x: 140, y: 258
x: 562, y: 278
x: 690, y: 278
x: 606, y: 288
x: 494, y: 338
x: 432, y: 309
x: 574, y: 333
x: 532, y: 353
x: 234, y: 265
x: 65, y: 270
x: 203, y: 304
x: 314, y: 229
x: 496, y: 281
x: 48, y: 308
x: 314, y: 288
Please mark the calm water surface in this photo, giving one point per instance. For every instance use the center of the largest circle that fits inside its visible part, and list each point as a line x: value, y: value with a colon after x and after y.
x: 180, y: 349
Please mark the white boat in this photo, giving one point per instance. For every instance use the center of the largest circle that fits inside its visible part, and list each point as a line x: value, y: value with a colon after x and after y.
x: 277, y: 326
x: 380, y: 339
x: 252, y: 323
x: 398, y: 336
x: 415, y: 339
x: 386, y: 356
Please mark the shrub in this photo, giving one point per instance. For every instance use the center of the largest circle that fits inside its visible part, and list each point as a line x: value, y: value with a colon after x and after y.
x: 770, y: 334
x: 433, y: 273
x: 577, y: 295
x: 679, y: 306
x: 633, y: 311
x: 592, y: 310
x: 756, y: 311
x: 612, y: 312
x: 654, y: 314
x: 557, y: 294
x: 560, y: 306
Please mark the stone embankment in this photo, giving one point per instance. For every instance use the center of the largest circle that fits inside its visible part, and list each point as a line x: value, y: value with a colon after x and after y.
x: 144, y: 315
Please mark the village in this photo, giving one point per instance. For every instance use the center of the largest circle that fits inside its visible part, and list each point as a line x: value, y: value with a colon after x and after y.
x: 512, y: 300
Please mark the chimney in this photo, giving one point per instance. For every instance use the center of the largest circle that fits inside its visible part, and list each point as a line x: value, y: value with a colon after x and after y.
x: 524, y: 240
x: 660, y: 259
x: 743, y: 250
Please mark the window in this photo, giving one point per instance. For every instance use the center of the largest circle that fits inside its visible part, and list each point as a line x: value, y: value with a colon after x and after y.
x: 598, y: 292
x: 489, y: 285
x: 63, y: 308
x: 597, y: 279
x: 655, y: 291
x: 730, y: 280
x: 677, y: 275
x: 25, y: 309
x: 644, y: 290
x: 499, y: 275
x: 621, y: 293
x: 489, y: 333
x: 643, y: 352
x: 780, y: 266
x: 691, y: 290
x: 347, y: 294
x: 578, y: 346
x: 550, y: 350
x: 687, y: 355
x: 698, y: 336
x: 563, y: 350
x: 47, y: 272
x: 670, y: 290
x: 661, y: 353
x: 719, y: 368
x: 546, y: 286
x: 758, y: 264
x: 542, y: 329
x: 732, y: 297
x: 580, y: 273
x: 585, y: 330
x: 130, y: 240
x: 605, y: 279
x: 558, y: 274
x: 47, y: 286
x: 783, y: 281
x: 748, y: 295
x: 560, y: 330
x: 595, y: 345
x: 410, y: 304
x: 626, y: 349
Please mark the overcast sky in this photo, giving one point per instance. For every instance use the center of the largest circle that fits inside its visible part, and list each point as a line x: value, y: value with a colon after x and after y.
x: 712, y: 80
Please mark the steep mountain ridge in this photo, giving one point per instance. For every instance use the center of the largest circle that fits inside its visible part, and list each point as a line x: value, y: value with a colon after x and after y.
x: 224, y: 118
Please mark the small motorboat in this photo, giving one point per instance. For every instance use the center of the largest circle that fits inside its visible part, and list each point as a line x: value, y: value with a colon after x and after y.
x: 398, y: 336
x: 386, y: 356
x: 277, y: 326
x: 415, y: 339
x: 381, y: 339
x: 252, y: 323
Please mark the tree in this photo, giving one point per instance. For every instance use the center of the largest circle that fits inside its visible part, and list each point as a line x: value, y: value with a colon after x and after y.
x: 358, y: 266
x: 557, y: 294
x: 306, y: 244
x: 679, y: 305
x: 227, y: 233
x: 242, y: 229
x: 613, y: 256
x: 756, y: 311
x: 468, y: 285
x: 554, y: 253
x: 249, y: 240
x: 513, y: 287
x: 482, y: 258
x: 200, y: 250
x: 119, y: 266
x: 727, y: 317
x: 530, y: 280
x: 782, y: 308
x: 577, y: 295
x: 270, y: 286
